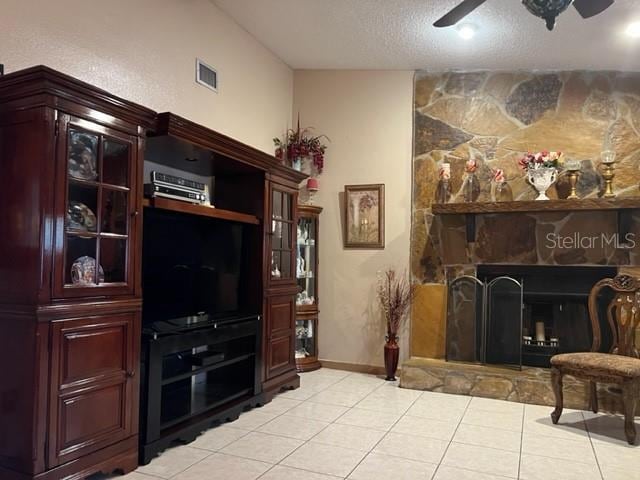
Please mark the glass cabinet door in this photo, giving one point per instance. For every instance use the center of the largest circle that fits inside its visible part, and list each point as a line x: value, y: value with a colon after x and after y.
x: 282, y: 235
x: 98, y: 210
x: 306, y: 338
x: 306, y: 261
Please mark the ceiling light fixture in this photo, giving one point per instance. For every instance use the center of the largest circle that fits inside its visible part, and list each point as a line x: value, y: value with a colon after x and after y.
x: 466, y: 31
x: 633, y: 30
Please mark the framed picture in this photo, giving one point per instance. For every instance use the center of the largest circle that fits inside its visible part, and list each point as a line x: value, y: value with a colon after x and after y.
x: 364, y: 216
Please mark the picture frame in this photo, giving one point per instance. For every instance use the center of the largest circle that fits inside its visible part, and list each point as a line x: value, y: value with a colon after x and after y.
x: 364, y: 216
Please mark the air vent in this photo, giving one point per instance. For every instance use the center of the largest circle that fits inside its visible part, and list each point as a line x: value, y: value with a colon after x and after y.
x: 205, y: 75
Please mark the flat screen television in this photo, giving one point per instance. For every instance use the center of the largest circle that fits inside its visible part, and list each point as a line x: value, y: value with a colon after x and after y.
x: 190, y: 266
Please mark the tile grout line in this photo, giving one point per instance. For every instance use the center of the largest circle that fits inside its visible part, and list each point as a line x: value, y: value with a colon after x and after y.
x: 524, y: 415
x: 466, y: 408
x: 593, y: 447
x: 304, y: 442
x: 384, y: 436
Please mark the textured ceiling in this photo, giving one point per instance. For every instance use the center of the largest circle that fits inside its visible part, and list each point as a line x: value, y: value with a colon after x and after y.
x: 397, y: 34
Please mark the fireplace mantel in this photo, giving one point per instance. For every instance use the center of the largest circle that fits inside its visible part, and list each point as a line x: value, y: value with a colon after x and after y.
x: 537, y: 206
x: 622, y: 206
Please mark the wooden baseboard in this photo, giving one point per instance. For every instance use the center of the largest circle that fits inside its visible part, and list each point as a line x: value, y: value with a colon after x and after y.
x: 355, y: 367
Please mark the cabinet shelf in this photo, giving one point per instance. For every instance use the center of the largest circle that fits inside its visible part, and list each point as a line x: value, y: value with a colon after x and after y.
x: 202, y: 398
x: 85, y: 234
x: 201, y: 210
x: 96, y: 184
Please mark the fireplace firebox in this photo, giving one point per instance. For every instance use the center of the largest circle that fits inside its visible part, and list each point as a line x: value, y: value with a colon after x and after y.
x: 521, y: 315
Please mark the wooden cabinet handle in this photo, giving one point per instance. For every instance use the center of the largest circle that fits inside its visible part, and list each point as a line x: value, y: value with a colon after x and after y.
x: 135, y: 214
x: 131, y: 374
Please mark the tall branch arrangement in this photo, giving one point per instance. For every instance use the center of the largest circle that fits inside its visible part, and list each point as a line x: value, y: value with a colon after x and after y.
x: 395, y: 294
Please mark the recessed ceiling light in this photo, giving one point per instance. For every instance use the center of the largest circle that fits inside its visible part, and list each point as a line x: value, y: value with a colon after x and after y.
x: 466, y: 31
x: 633, y: 30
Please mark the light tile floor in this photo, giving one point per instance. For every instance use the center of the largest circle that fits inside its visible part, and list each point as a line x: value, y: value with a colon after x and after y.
x: 345, y: 425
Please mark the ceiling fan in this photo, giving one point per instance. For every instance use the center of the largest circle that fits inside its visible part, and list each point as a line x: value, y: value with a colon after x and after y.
x: 548, y: 10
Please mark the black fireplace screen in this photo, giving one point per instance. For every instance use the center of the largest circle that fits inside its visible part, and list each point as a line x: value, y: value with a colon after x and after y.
x: 464, y: 332
x: 503, y: 323
x: 484, y: 321
x: 515, y: 315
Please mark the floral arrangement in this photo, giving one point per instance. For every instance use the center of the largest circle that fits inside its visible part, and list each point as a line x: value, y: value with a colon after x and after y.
x: 300, y: 143
x: 498, y: 176
x: 367, y: 202
x: 471, y: 166
x: 544, y: 159
x: 395, y: 294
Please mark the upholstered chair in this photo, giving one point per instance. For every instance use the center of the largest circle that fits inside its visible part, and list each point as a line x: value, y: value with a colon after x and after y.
x: 622, y: 365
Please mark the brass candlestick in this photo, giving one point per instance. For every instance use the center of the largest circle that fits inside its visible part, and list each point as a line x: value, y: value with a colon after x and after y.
x: 608, y: 175
x: 573, y: 180
x: 608, y: 160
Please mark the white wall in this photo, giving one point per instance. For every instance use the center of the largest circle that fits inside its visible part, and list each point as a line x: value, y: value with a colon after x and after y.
x: 368, y: 117
x: 145, y: 50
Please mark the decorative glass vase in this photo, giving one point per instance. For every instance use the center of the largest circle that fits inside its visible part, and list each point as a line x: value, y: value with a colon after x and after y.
x: 443, y: 191
x: 542, y: 178
x: 502, y: 192
x: 471, y: 188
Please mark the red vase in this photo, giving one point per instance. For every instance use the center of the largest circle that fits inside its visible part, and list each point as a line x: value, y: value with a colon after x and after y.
x: 391, y: 355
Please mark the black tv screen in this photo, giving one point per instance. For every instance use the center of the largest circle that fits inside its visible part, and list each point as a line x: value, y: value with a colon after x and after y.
x: 190, y: 265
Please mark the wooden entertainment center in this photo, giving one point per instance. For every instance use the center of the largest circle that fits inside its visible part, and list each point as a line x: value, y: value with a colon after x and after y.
x: 71, y: 280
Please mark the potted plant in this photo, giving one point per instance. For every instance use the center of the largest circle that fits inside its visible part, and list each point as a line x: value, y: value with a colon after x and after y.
x: 395, y: 294
x: 299, y: 144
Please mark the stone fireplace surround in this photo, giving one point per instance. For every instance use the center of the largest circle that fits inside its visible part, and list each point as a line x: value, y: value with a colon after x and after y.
x: 510, y: 240
x: 493, y: 117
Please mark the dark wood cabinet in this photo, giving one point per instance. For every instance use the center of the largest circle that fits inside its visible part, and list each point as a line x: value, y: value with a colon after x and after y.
x: 69, y: 299
x: 94, y: 362
x: 71, y: 293
x: 281, y: 288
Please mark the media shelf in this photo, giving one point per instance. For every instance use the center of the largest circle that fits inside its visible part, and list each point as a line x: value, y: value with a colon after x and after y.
x: 208, y: 368
x: 183, y: 399
x: 200, y: 210
x: 187, y: 401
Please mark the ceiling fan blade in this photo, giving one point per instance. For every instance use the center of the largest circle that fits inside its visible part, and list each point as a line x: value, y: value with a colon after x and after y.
x: 458, y: 13
x: 590, y: 8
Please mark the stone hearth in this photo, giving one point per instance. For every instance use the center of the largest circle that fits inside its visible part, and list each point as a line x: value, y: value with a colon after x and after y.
x: 529, y: 385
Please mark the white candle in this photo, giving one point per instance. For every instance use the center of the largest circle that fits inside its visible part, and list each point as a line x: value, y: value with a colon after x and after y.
x: 608, y: 156
x: 540, y: 332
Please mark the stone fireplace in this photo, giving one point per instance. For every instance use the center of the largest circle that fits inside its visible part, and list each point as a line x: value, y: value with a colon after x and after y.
x: 493, y: 118
x: 508, y: 303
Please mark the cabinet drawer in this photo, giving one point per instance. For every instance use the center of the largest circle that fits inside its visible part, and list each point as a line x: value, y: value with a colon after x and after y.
x: 93, y: 396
